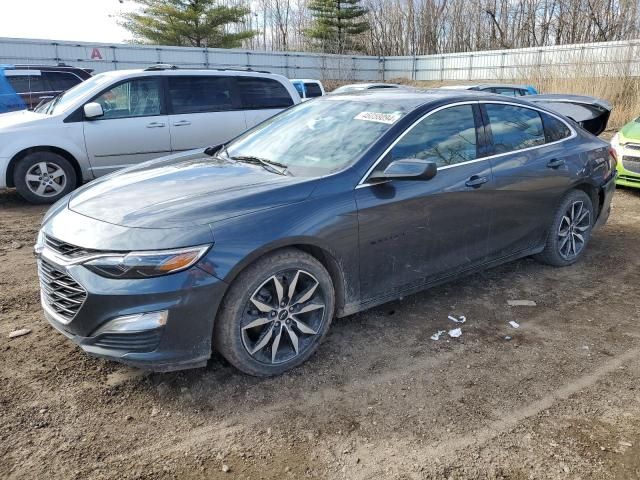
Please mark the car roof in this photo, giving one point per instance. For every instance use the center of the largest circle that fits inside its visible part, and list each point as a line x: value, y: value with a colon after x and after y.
x: 415, y: 98
x: 124, y: 74
x: 484, y: 85
x: 305, y: 80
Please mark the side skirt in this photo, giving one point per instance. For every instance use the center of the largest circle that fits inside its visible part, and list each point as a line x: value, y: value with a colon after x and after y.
x: 352, y: 308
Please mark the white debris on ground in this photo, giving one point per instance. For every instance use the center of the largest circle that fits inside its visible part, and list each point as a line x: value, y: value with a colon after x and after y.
x: 521, y: 303
x: 455, y: 333
x: 460, y: 319
x: 436, y: 336
x: 20, y: 333
x: 508, y: 337
x: 514, y: 324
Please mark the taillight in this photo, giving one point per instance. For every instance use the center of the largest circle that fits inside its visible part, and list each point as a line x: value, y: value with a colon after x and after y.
x: 613, y: 158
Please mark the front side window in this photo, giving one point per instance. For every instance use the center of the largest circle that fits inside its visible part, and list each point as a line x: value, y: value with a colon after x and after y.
x: 200, y: 94
x: 135, y: 98
x: 320, y: 137
x: 446, y: 137
x: 258, y: 93
x: 514, y: 128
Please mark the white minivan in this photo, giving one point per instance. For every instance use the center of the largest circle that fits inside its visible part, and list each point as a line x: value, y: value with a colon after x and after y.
x: 121, y: 118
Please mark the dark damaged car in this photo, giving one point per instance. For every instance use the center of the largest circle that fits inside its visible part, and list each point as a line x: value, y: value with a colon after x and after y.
x: 327, y: 209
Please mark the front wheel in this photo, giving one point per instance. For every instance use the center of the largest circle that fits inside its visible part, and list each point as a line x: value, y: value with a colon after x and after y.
x: 570, y: 230
x: 275, y: 314
x: 44, y: 177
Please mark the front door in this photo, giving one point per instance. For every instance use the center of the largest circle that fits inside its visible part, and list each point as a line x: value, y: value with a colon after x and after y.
x: 413, y: 232
x: 133, y: 129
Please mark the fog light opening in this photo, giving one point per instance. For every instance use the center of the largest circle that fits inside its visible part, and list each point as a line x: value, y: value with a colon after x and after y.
x: 138, y: 322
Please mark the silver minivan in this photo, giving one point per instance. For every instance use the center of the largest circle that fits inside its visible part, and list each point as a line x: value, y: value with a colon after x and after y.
x: 120, y: 118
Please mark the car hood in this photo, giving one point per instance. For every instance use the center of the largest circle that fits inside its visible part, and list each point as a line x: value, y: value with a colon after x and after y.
x: 23, y: 118
x: 631, y: 131
x: 186, y: 189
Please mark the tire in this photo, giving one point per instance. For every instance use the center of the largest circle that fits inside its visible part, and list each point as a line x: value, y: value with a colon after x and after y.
x: 570, y: 223
x: 44, y: 177
x: 249, y: 323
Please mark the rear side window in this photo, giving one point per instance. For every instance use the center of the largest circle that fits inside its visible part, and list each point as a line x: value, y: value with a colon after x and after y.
x: 554, y: 129
x: 446, y: 137
x: 514, y: 128
x: 313, y: 90
x: 258, y: 93
x: 61, y: 81
x: 200, y: 94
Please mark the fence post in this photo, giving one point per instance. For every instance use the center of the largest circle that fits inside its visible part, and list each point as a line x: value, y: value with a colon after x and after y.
x: 502, y: 56
x: 470, y: 67
x: 113, y: 53
x: 442, y: 68
x: 248, y: 59
x: 382, y: 66
x: 206, y: 58
x: 413, y: 68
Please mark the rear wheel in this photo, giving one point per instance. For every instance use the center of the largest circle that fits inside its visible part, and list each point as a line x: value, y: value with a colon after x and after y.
x: 275, y: 314
x: 44, y: 177
x: 570, y: 230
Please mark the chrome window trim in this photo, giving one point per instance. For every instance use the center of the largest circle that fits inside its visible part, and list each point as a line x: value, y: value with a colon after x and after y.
x: 362, y: 183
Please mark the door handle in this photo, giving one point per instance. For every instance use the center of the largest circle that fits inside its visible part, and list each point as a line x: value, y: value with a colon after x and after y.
x: 155, y: 125
x: 476, y: 181
x: 182, y: 123
x: 555, y: 163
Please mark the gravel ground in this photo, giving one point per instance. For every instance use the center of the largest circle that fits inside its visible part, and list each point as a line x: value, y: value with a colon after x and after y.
x: 379, y: 400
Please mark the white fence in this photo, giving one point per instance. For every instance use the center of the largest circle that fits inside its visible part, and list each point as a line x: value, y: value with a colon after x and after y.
x: 592, y: 59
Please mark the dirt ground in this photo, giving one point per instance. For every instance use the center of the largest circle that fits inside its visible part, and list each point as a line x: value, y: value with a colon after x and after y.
x: 379, y: 400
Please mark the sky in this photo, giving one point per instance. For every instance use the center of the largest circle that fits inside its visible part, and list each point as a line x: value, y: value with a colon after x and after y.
x: 81, y: 20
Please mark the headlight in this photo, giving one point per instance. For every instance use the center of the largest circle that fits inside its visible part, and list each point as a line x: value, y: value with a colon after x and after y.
x: 146, y: 264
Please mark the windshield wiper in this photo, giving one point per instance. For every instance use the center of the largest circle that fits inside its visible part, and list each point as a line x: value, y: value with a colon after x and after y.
x: 270, y: 165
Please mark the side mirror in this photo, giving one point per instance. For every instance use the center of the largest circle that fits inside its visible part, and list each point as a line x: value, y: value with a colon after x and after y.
x: 408, y: 169
x: 93, y: 110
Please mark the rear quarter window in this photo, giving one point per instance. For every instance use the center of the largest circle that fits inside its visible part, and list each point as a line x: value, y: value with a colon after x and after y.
x: 554, y: 129
x: 313, y: 90
x: 263, y: 93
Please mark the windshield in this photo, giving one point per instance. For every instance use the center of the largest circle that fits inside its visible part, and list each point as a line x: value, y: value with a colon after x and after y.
x: 64, y: 100
x: 320, y: 137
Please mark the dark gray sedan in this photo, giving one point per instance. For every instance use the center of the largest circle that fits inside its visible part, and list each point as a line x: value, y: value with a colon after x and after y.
x: 329, y: 208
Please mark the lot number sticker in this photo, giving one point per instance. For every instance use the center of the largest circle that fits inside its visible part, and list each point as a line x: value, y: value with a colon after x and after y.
x: 387, y: 118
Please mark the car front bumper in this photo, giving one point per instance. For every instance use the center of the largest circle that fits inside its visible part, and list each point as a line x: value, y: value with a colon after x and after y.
x: 190, y: 299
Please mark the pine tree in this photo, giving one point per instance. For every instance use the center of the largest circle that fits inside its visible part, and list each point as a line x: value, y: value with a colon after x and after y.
x: 336, y: 23
x: 187, y: 23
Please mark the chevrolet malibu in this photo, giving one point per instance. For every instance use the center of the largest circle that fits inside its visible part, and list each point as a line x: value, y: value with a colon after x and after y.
x: 253, y: 247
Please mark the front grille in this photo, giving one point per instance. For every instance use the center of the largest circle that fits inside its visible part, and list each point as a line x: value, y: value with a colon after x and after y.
x: 66, y: 249
x: 632, y: 146
x: 145, y: 341
x: 61, y: 293
x: 631, y: 163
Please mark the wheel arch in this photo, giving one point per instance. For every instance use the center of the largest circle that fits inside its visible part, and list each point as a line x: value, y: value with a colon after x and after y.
x: 595, y: 194
x: 319, y: 252
x: 43, y: 148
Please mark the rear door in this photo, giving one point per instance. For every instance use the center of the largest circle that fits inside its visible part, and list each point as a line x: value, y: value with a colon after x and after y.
x: 412, y: 232
x: 133, y: 129
x: 203, y: 111
x: 531, y: 167
x: 262, y: 98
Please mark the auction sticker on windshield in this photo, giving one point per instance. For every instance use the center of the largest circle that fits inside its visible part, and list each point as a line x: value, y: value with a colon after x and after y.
x: 388, y: 118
